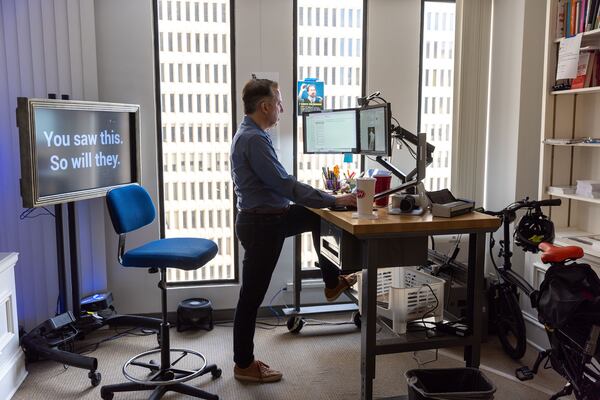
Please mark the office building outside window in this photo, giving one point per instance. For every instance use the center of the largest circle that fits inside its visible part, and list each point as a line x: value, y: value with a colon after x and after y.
x: 195, y: 65
x: 329, y: 48
x: 437, y: 86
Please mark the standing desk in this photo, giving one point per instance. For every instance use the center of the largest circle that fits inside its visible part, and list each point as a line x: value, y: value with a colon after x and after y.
x: 397, y: 240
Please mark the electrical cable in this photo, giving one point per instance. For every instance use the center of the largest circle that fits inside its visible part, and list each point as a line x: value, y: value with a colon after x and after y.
x: 422, y: 323
x: 90, y: 348
x: 28, y: 213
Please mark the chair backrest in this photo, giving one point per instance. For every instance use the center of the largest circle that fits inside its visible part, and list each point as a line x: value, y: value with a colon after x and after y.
x: 130, y: 207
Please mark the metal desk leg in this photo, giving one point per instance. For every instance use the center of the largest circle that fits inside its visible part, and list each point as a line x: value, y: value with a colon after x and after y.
x: 369, y: 317
x: 474, y: 297
x: 297, y: 274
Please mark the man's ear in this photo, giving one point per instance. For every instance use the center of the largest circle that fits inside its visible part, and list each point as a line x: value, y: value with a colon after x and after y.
x: 264, y: 106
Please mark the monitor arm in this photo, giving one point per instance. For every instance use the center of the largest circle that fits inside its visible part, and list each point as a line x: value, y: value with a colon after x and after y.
x: 411, y: 179
x: 399, y: 132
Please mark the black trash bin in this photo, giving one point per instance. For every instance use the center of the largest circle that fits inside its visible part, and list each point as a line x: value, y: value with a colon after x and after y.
x: 449, y: 384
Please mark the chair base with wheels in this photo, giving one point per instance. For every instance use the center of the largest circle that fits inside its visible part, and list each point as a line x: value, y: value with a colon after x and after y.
x: 130, y: 208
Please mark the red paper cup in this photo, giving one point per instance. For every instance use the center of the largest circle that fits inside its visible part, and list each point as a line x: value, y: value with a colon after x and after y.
x: 381, y: 185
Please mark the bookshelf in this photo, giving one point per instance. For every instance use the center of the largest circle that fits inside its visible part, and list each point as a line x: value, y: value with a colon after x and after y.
x: 569, y: 114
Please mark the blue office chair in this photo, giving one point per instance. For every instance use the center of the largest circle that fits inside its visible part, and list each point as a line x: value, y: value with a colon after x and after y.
x: 131, y: 208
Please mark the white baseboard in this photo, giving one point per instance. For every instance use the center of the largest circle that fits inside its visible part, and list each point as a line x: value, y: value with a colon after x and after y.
x: 536, y: 334
x: 12, y: 375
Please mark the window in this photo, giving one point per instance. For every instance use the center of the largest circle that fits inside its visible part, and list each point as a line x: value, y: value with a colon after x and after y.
x: 195, y: 92
x: 436, y: 89
x: 329, y: 54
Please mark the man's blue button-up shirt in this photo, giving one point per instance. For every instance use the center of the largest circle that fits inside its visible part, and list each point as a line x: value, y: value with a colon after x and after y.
x: 260, y: 180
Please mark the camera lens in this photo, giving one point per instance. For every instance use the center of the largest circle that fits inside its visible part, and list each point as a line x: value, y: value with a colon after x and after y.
x: 407, y: 203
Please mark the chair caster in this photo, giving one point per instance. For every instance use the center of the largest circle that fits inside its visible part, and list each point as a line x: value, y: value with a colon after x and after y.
x: 356, y: 319
x: 216, y: 373
x: 95, y: 378
x: 295, y: 324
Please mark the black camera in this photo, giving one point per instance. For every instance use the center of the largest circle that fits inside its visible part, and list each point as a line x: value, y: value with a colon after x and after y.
x: 407, y: 203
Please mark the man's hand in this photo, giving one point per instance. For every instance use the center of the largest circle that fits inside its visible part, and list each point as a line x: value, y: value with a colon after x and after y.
x: 345, y: 200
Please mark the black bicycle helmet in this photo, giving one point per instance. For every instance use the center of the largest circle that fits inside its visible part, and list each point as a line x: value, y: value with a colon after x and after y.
x: 533, y: 229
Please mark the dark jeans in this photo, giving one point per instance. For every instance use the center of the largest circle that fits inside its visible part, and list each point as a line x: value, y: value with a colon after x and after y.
x: 262, y: 237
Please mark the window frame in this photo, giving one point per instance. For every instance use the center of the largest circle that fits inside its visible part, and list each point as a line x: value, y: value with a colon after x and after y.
x: 297, y: 250
x: 160, y: 168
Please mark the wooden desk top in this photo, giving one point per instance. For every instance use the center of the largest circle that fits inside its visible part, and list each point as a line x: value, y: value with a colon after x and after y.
x: 400, y: 224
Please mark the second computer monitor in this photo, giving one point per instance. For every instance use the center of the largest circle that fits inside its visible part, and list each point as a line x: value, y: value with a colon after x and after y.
x: 374, y: 130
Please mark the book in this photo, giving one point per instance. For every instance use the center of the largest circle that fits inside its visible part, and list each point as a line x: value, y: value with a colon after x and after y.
x: 591, y: 14
x: 565, y: 140
x: 582, y: 10
x: 569, y: 20
x: 588, y: 188
x: 558, y: 190
x: 583, y: 71
x: 560, y: 18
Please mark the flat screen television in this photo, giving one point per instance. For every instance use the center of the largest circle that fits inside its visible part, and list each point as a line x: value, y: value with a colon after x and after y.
x: 330, y: 132
x: 74, y: 150
x: 374, y: 130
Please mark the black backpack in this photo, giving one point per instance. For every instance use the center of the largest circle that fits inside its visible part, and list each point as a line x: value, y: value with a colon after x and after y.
x: 569, y: 295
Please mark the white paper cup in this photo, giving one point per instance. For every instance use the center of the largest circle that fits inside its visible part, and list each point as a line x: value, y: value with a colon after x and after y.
x: 365, y: 190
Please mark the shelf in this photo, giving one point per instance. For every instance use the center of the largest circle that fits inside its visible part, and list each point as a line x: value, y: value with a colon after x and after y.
x: 417, y: 341
x: 593, y: 34
x: 569, y: 237
x: 576, y: 197
x: 595, y: 89
x: 574, y: 144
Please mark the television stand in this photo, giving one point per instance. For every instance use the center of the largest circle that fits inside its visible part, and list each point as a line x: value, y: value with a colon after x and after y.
x: 50, y: 339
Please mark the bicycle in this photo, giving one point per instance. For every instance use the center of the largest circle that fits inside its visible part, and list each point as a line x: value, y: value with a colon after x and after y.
x: 502, y: 296
x: 568, y: 303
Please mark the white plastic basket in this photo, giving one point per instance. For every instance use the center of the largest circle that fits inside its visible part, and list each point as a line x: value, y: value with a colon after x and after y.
x: 409, y: 294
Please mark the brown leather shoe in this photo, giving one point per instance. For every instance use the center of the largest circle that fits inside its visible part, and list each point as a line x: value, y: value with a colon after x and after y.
x: 344, y: 282
x: 258, y: 372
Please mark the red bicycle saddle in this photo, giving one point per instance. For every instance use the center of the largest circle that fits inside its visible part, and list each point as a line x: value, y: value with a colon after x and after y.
x: 552, y: 253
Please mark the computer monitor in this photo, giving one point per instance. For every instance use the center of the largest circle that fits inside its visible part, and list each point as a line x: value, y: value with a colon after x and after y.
x: 330, y: 132
x: 75, y: 150
x: 374, y: 131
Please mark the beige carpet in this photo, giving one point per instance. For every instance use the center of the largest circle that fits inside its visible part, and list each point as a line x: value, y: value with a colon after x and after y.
x: 322, y: 362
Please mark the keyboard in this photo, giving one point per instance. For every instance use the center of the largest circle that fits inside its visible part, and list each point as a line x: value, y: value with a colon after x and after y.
x: 342, y: 208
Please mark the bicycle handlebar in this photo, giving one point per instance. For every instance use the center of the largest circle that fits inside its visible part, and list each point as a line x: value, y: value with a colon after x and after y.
x: 550, y: 202
x: 525, y: 203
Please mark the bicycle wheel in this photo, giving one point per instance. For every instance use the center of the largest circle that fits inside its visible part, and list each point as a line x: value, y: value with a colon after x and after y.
x: 509, y: 321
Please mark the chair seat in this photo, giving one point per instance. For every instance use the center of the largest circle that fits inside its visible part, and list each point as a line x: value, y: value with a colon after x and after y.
x: 182, y: 253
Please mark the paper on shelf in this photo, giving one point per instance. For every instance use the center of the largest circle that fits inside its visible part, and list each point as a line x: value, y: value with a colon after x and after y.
x: 568, y: 57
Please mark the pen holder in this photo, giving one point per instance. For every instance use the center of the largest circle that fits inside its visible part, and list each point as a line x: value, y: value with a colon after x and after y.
x: 332, y: 184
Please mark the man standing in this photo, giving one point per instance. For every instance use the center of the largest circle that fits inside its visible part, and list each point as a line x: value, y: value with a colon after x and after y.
x: 264, y: 190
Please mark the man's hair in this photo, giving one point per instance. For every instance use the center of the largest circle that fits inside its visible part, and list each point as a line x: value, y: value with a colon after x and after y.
x: 255, y: 91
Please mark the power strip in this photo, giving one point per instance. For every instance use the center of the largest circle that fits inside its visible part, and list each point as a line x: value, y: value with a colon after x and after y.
x: 457, y: 329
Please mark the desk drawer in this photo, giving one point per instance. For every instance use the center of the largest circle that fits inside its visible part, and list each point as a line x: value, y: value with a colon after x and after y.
x: 345, y: 250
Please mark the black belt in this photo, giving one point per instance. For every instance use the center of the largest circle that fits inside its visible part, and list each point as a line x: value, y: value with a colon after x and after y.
x: 265, y: 211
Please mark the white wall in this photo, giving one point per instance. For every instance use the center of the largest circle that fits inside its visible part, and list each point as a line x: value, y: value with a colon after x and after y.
x: 126, y: 74
x: 514, y: 104
x: 46, y: 46
x: 393, y: 62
